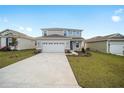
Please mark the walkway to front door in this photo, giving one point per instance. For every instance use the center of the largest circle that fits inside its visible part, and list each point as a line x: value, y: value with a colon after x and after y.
x: 42, y: 70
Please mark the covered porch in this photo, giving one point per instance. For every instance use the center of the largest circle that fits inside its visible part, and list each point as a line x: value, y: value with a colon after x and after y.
x: 8, y: 42
x: 76, y: 44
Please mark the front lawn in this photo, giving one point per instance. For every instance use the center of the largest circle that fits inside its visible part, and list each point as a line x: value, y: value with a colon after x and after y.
x: 10, y: 57
x: 98, y: 70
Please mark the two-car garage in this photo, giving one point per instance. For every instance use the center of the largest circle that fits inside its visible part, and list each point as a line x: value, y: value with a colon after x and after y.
x: 53, y: 46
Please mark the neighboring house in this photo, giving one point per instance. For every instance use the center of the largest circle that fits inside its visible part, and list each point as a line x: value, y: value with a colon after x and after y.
x: 113, y: 44
x: 16, y: 40
x: 60, y: 40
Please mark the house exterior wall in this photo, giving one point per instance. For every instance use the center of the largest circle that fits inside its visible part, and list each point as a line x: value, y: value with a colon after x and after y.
x: 2, y: 42
x: 97, y: 46
x: 82, y: 44
x: 25, y: 44
x: 39, y: 44
x: 55, y: 32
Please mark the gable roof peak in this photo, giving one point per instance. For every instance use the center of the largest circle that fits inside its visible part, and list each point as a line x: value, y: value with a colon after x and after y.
x: 16, y: 33
x: 114, y: 35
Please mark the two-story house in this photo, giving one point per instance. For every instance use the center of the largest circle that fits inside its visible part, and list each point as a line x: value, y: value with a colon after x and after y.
x: 60, y: 39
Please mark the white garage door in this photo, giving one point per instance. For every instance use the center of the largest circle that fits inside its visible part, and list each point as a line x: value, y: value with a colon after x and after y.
x: 53, y: 46
x: 117, y: 49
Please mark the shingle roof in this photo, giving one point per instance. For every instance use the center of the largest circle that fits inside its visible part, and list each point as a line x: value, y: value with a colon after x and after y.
x: 77, y: 38
x: 60, y: 29
x: 115, y: 36
x: 15, y: 34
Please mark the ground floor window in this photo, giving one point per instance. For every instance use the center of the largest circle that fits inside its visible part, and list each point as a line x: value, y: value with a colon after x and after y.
x: 77, y: 45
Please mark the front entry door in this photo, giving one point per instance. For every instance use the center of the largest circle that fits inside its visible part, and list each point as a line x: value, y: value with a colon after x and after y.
x: 71, y: 45
x: 7, y: 40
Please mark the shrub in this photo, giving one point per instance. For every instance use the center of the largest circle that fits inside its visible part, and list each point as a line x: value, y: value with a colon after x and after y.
x: 67, y: 51
x: 87, y: 49
x: 37, y: 51
x: 83, y: 50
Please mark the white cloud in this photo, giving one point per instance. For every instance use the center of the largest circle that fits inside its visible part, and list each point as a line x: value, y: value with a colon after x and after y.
x: 119, y: 11
x: 29, y: 29
x: 14, y: 25
x: 116, y: 18
x: 21, y: 28
x: 5, y: 20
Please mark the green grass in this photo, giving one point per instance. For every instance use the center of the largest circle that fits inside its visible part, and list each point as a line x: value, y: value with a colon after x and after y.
x: 99, y: 70
x: 10, y: 57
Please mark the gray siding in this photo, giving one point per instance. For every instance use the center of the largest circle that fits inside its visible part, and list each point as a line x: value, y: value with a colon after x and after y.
x: 25, y: 44
x: 55, y: 32
x: 2, y: 42
x: 97, y: 46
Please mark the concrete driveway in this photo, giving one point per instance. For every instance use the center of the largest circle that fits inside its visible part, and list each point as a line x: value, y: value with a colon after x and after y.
x: 42, y: 70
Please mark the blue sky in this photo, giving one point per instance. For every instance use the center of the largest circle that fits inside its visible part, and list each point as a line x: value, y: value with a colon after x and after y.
x: 94, y: 20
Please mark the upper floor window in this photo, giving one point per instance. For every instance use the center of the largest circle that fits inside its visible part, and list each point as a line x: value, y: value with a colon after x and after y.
x: 64, y: 33
x: 78, y: 32
x: 70, y: 32
x: 73, y: 32
x: 45, y: 33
